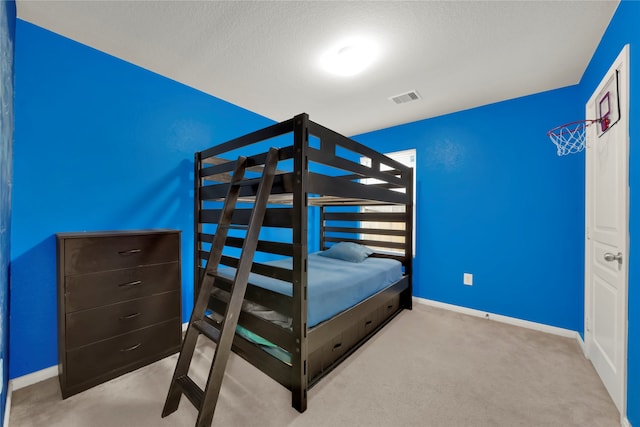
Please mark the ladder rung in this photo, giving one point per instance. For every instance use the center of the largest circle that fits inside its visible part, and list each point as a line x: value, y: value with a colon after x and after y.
x: 190, y: 389
x: 248, y: 182
x: 213, y: 322
x: 205, y: 327
x: 214, y: 275
x: 238, y: 227
x: 220, y: 279
x: 234, y: 227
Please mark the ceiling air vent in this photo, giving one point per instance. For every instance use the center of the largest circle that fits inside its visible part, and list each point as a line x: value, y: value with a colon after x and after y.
x: 405, y: 97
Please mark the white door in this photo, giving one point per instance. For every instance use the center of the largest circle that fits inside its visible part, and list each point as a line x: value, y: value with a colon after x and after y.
x: 607, y: 221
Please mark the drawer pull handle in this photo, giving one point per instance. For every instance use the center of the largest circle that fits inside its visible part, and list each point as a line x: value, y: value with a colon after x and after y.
x: 134, y: 283
x: 133, y: 347
x: 389, y: 306
x: 130, y: 252
x: 368, y: 322
x: 337, y: 346
x: 129, y: 316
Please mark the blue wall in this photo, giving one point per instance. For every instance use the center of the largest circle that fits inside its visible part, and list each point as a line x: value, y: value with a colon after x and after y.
x: 623, y: 30
x: 498, y: 204
x: 7, y: 33
x: 100, y: 144
x: 494, y: 200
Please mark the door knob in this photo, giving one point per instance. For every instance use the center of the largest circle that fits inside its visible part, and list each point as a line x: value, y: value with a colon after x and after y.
x: 608, y: 256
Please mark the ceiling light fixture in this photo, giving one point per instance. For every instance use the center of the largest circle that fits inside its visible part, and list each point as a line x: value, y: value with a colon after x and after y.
x: 349, y: 58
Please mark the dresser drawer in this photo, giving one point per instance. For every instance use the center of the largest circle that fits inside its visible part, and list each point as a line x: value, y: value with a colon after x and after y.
x: 96, y: 359
x: 88, y: 326
x: 108, y: 287
x: 93, y: 254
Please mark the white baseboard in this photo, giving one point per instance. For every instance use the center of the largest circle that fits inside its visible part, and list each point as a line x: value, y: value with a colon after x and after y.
x: 7, y: 406
x: 34, y: 377
x: 504, y: 319
x: 581, y: 344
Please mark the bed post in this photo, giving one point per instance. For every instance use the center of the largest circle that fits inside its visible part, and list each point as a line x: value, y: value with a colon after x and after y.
x: 408, y: 238
x: 197, y: 225
x: 321, y: 227
x: 299, y: 382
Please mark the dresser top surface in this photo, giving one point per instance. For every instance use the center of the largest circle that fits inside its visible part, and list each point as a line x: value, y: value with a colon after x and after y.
x: 84, y: 234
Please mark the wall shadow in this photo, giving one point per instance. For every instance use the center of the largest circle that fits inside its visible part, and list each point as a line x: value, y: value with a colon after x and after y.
x: 33, y: 309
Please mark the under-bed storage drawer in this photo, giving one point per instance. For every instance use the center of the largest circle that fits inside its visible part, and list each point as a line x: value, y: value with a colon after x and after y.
x: 324, y: 357
x: 369, y: 322
x: 119, y: 303
x: 389, y: 307
x: 375, y: 318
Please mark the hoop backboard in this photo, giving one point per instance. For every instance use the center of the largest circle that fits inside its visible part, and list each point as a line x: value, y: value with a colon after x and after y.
x: 608, y: 106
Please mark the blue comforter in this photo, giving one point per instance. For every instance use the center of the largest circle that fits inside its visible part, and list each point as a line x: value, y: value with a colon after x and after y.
x: 333, y: 285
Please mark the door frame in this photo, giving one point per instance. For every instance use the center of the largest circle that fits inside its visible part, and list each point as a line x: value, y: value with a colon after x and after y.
x: 622, y: 60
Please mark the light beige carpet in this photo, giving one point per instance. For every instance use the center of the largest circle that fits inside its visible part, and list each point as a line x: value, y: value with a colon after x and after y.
x: 428, y: 367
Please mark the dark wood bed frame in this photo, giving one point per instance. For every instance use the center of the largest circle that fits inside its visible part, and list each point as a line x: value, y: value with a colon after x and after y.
x: 319, y: 167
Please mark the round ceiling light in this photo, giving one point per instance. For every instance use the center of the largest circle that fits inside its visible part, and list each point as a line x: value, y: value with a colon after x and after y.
x: 349, y: 58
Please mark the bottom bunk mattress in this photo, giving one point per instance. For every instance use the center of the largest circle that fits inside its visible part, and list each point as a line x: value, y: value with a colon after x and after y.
x: 333, y: 285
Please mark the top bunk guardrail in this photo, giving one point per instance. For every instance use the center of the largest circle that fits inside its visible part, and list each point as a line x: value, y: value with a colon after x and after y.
x: 337, y: 174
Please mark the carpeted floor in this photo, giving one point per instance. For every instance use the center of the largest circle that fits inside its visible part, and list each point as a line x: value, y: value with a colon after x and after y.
x: 428, y: 367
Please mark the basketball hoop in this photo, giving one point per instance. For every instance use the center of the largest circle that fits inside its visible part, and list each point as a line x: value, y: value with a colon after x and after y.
x: 570, y: 137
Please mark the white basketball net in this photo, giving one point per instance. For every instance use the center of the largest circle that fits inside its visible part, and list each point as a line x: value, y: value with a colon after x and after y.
x: 569, y: 138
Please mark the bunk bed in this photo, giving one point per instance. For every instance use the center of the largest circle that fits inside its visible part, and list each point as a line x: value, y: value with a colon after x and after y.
x: 358, y: 200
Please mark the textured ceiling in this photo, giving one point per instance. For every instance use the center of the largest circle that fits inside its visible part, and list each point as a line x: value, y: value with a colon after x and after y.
x: 263, y: 56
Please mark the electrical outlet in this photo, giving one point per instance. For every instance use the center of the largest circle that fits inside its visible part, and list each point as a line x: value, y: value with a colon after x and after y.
x: 467, y: 279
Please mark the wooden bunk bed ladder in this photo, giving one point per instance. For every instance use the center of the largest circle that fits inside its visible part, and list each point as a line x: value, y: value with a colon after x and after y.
x: 221, y: 333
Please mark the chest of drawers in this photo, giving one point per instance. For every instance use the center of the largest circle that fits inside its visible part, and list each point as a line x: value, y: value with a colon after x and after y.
x: 119, y: 303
